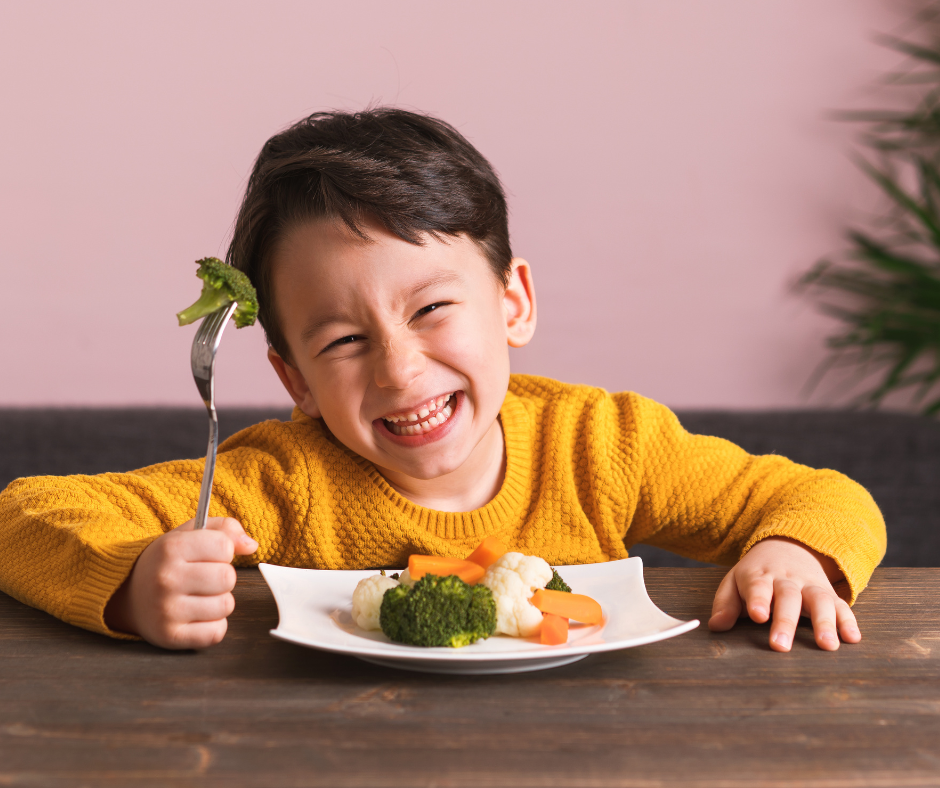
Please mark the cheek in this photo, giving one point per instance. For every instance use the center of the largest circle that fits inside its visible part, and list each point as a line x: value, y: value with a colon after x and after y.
x: 338, y: 390
x: 473, y: 346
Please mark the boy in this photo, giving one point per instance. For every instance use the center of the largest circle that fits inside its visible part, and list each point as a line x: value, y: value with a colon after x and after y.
x: 379, y: 246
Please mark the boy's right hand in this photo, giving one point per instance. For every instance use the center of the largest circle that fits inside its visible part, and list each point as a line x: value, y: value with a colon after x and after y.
x: 178, y: 595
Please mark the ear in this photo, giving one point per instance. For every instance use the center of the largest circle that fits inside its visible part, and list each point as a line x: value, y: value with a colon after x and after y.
x: 295, y: 384
x: 519, y: 304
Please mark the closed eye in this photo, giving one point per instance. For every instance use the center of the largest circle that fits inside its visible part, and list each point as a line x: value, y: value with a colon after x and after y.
x: 340, y: 342
x: 430, y: 308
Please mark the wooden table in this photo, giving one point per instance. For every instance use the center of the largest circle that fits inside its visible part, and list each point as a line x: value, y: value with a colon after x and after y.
x: 698, y: 710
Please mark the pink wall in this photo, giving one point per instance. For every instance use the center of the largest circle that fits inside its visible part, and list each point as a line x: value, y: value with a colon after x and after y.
x: 669, y: 166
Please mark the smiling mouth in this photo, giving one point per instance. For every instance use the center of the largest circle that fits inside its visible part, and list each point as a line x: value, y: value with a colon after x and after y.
x: 425, y: 418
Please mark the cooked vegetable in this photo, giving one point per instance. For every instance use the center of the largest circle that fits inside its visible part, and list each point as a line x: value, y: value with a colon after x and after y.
x: 488, y: 551
x: 438, y: 611
x: 556, y: 583
x: 562, y: 603
x: 453, y: 602
x: 406, y: 579
x: 367, y: 600
x: 421, y: 565
x: 512, y: 579
x: 222, y: 284
x: 554, y: 630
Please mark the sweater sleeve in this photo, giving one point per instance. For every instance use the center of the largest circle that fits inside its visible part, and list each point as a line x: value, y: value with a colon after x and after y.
x: 68, y: 543
x: 708, y: 499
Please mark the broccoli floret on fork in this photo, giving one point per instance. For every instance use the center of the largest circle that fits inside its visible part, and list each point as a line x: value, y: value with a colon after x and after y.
x: 222, y: 284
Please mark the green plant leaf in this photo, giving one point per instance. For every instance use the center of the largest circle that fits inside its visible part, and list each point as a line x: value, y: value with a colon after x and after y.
x: 901, y: 197
x: 914, y: 50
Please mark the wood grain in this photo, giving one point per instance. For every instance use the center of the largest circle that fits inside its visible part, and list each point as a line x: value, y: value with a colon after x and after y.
x: 700, y: 710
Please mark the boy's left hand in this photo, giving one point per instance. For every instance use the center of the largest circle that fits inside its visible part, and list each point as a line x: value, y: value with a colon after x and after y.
x: 790, y: 579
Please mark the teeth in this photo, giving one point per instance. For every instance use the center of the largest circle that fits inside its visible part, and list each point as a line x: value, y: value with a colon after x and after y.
x: 424, y: 420
x: 422, y: 413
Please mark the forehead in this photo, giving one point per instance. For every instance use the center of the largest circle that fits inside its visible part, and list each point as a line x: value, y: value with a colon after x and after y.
x: 325, y: 257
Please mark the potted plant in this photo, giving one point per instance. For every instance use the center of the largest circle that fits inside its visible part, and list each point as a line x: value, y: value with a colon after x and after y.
x: 885, y: 288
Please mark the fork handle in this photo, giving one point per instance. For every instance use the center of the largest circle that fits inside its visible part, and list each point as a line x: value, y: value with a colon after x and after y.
x: 205, y: 494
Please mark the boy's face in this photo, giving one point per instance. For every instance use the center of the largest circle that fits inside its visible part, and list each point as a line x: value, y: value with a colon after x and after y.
x: 401, y: 349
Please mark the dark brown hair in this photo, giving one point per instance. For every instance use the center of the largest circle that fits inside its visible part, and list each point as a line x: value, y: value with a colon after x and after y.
x: 412, y: 173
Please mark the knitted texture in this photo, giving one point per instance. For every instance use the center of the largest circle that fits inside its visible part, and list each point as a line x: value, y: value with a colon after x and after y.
x: 588, y: 474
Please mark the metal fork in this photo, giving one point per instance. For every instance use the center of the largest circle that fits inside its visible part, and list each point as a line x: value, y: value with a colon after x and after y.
x: 205, y: 345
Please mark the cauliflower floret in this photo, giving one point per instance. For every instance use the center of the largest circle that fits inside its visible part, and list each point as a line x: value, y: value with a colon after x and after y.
x: 513, y: 578
x: 405, y: 579
x: 367, y: 600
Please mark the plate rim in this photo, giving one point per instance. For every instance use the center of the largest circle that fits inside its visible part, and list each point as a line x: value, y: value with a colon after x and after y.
x: 455, y: 657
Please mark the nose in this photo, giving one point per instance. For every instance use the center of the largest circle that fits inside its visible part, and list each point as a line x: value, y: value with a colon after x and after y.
x: 399, y: 364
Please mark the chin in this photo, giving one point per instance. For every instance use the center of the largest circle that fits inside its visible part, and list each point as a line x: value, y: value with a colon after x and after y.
x: 428, y: 469
x: 427, y: 474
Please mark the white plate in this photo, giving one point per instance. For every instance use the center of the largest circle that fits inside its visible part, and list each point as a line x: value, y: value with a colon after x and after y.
x: 315, y: 610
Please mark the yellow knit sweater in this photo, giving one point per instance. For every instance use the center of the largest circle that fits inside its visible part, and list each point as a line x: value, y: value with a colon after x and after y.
x: 588, y: 474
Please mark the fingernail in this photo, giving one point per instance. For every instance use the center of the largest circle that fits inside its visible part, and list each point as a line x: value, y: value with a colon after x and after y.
x: 761, y: 611
x: 829, y: 639
x: 782, y: 639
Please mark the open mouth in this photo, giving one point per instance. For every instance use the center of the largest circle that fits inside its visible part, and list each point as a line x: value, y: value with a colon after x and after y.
x: 423, y: 419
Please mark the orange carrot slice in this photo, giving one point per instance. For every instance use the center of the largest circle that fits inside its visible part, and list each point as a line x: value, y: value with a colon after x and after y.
x: 487, y: 552
x: 421, y: 565
x: 554, y: 629
x: 561, y: 603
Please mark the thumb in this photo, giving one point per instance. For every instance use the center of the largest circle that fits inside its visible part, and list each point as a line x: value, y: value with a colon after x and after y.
x: 243, y: 544
x: 727, y: 605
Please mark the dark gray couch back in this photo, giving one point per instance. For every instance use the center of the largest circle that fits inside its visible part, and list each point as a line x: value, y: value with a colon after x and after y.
x: 896, y: 457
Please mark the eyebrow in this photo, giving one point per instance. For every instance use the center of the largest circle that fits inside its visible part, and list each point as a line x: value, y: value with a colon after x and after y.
x: 442, y: 278
x: 311, y: 328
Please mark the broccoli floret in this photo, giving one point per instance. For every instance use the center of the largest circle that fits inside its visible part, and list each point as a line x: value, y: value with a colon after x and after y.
x: 222, y: 285
x: 556, y: 583
x: 438, y: 611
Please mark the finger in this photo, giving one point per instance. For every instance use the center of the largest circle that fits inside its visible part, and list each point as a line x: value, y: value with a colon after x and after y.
x: 820, y: 605
x: 727, y: 605
x: 204, y: 545
x: 206, y: 578
x: 846, y: 623
x: 195, y: 609
x: 243, y: 544
x: 788, y: 604
x: 757, y: 592
x: 170, y: 613
x: 201, y: 634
